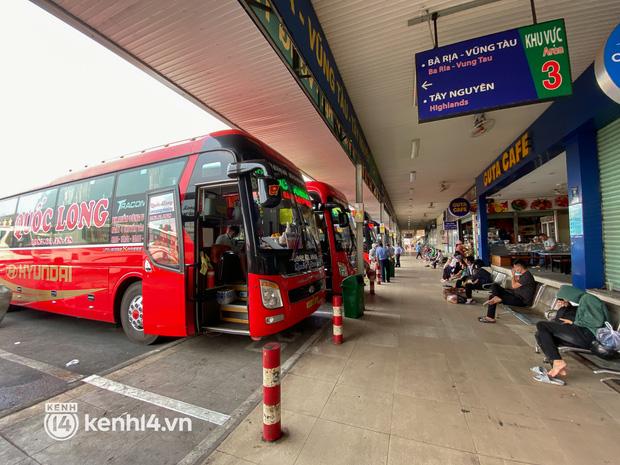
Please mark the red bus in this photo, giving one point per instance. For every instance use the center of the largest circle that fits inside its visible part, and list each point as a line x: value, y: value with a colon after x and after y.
x: 216, y: 233
x: 337, y: 237
x: 370, y: 235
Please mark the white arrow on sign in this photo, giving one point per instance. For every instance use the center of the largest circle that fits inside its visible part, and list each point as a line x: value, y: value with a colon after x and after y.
x: 426, y: 85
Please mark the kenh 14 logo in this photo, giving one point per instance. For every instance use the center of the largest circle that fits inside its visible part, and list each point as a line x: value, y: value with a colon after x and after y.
x: 61, y: 420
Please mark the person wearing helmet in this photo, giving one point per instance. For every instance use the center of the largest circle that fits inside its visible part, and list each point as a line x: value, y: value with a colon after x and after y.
x: 580, y: 332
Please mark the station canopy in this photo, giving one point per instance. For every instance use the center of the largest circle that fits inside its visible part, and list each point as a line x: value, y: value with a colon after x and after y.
x: 213, y: 53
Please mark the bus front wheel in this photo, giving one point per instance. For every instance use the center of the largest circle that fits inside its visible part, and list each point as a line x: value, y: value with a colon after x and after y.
x: 131, y: 316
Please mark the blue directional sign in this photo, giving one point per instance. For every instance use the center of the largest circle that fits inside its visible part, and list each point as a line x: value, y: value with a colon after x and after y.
x: 515, y: 67
x: 607, y: 66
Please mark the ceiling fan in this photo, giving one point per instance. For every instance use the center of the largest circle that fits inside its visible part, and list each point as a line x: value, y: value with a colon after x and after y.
x: 482, y: 125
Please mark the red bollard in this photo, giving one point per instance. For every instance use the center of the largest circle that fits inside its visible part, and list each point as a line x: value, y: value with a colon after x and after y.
x: 337, y: 319
x: 378, y: 270
x: 272, y: 428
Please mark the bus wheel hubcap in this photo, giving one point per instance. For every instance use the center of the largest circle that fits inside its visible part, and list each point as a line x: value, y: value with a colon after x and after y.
x: 135, y: 313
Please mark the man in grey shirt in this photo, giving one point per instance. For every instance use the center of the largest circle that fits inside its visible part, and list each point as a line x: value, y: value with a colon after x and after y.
x: 228, y: 237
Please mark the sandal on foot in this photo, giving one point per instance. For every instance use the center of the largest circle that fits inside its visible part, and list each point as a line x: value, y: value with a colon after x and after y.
x: 484, y: 319
x: 545, y: 378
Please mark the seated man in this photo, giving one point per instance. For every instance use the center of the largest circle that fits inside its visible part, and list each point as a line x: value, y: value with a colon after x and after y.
x: 228, y: 237
x: 521, y: 295
x: 549, y: 245
x: 477, y: 278
x: 579, y: 332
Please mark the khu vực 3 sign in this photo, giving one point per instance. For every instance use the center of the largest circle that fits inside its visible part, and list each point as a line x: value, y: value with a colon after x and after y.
x: 515, y: 67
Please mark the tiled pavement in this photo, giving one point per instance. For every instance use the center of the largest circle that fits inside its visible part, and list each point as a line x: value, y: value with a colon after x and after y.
x: 420, y: 381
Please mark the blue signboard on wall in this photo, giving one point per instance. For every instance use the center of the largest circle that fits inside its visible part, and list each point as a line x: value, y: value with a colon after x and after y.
x: 607, y: 66
x: 450, y: 226
x: 575, y: 214
x: 509, y: 68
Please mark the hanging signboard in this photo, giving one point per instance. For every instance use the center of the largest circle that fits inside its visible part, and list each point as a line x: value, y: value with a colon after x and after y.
x: 607, y: 66
x: 459, y: 207
x: 515, y: 67
x: 294, y: 31
x: 358, y: 212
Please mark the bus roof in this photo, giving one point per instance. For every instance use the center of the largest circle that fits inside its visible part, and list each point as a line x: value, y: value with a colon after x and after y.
x: 325, y: 191
x: 226, y: 139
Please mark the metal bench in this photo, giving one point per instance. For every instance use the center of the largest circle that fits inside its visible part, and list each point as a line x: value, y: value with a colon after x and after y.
x: 539, y: 303
x: 498, y: 278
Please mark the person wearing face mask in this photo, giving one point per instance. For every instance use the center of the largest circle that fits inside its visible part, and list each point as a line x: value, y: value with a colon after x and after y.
x: 521, y: 295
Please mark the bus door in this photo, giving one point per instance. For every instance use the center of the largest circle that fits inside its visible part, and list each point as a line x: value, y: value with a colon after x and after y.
x: 221, y: 248
x: 163, y: 287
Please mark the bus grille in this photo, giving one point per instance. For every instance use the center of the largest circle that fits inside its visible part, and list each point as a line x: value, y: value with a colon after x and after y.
x: 304, y: 292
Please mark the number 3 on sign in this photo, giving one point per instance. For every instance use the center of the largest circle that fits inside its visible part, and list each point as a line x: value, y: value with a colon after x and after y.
x: 552, y: 68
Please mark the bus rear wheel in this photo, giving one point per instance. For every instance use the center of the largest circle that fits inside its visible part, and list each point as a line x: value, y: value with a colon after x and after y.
x: 131, y: 316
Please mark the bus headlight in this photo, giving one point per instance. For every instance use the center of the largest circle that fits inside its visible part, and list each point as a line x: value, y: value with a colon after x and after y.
x: 270, y: 294
x: 342, y: 269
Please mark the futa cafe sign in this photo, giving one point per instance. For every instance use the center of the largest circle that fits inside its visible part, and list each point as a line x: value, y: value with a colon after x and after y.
x: 513, y: 156
x: 459, y: 207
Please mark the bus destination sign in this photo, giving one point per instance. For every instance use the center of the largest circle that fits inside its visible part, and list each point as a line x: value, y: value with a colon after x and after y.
x: 516, y: 67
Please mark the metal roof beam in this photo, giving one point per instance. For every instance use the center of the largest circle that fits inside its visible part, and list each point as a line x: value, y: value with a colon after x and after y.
x: 449, y: 11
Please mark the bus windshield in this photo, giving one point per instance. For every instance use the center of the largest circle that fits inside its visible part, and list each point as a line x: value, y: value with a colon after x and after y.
x: 343, y: 235
x: 370, y: 235
x: 287, y: 235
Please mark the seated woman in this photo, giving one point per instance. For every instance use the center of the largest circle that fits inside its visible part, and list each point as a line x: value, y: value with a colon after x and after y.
x: 580, y: 332
x: 477, y: 278
x: 437, y: 259
x: 452, y: 268
x: 463, y: 272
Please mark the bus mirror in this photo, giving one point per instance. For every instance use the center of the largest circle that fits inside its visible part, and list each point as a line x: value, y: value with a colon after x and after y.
x: 269, y: 194
x: 236, y: 170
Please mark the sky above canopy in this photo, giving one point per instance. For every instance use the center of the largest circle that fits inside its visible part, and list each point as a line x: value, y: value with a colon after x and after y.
x: 66, y: 102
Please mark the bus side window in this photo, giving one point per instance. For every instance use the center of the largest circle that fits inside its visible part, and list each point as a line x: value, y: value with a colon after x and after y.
x: 7, y: 221
x: 83, y: 212
x: 35, y: 219
x: 211, y: 166
x: 129, y: 207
